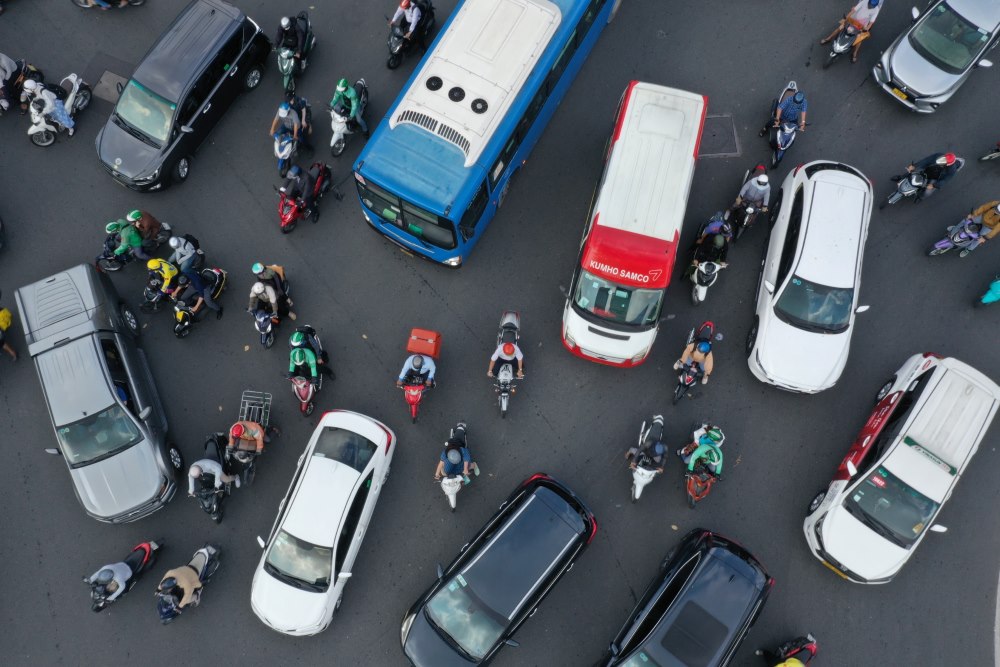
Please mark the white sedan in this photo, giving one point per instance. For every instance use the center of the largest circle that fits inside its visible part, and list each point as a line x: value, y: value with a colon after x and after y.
x: 310, y: 553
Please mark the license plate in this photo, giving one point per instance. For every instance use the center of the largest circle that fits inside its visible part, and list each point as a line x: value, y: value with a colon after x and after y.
x: 899, y: 93
x: 839, y: 573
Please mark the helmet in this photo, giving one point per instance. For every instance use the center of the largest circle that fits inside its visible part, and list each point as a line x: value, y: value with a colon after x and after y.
x: 799, y: 97
x: 105, y: 576
x: 298, y: 356
x: 405, y: 4
x: 154, y: 264
x: 257, y: 289
x: 418, y: 362
x: 508, y: 348
x: 134, y: 216
x: 297, y: 339
x: 342, y: 84
x: 283, y: 110
x: 175, y: 242
x: 659, y: 449
x: 295, y: 171
x: 949, y: 159
x: 285, y: 22
x: 168, y: 584
x: 718, y: 241
x: 714, y: 434
x: 762, y: 180
x: 195, y: 471
x: 30, y: 84
x: 454, y: 456
x: 237, y: 431
x: 257, y: 268
x: 704, y: 346
x: 112, y: 227
x: 874, y: 3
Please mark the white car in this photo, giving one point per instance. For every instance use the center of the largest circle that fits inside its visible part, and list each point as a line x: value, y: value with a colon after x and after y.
x: 927, y: 424
x: 810, y: 276
x: 315, y: 540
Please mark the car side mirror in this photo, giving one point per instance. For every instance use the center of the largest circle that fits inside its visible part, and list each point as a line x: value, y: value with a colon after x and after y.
x: 260, y: 541
x: 769, y: 286
x: 440, y: 571
x: 511, y: 642
x: 54, y: 452
x: 915, y: 13
x: 145, y: 412
x: 938, y: 528
x: 852, y: 469
x: 344, y: 575
x: 186, y: 129
x: 862, y: 309
x: 984, y: 63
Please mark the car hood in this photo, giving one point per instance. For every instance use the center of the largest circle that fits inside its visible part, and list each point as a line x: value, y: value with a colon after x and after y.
x: 916, y: 72
x: 129, y: 156
x: 426, y: 648
x: 800, y: 359
x: 286, y: 608
x: 859, y: 548
x: 120, y: 483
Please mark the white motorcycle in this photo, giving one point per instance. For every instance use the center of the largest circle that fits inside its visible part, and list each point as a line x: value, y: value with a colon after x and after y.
x: 75, y: 96
x: 341, y: 121
x: 703, y: 277
x: 645, y: 469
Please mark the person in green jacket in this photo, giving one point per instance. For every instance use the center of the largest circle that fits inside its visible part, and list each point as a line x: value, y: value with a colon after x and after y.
x: 347, y: 96
x: 706, y: 450
x: 129, y: 238
x: 302, y: 357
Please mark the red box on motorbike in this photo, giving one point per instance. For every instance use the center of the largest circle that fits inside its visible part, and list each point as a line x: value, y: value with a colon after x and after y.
x: 424, y: 341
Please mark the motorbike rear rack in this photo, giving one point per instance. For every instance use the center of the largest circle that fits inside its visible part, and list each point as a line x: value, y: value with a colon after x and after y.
x: 255, y: 406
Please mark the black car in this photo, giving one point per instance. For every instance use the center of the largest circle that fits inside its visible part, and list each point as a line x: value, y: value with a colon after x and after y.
x: 499, y: 577
x: 697, y: 610
x: 209, y: 54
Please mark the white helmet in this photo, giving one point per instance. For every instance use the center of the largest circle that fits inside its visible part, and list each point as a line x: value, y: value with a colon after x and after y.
x: 762, y: 180
x: 30, y: 84
x: 175, y: 242
x: 285, y: 22
x: 257, y: 289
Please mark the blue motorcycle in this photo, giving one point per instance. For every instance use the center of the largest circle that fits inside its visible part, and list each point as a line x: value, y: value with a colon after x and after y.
x: 285, y: 146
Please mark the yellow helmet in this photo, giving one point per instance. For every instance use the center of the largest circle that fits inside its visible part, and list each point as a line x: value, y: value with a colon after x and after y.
x: 155, y: 264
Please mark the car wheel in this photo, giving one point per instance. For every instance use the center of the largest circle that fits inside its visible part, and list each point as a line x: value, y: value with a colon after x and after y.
x: 182, y: 169
x: 176, y: 460
x: 128, y: 316
x: 884, y: 391
x: 752, y: 336
x: 253, y: 77
x: 817, y: 501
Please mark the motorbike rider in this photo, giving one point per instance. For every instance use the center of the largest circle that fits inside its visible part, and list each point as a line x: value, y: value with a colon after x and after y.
x: 506, y: 353
x: 714, y: 251
x: 264, y: 297
x: 273, y: 275
x: 756, y: 192
x: 654, y: 453
x: 939, y: 168
x: 213, y: 468
x: 705, y: 449
x: 417, y: 369
x: 698, y: 352
x: 243, y: 432
x: 183, y: 583
x: 129, y: 239
x: 862, y: 16
x: 286, y: 121
x: 52, y: 105
x: 165, y: 270
x: 6, y: 319
x: 717, y: 224
x: 112, y: 578
x: 345, y: 95
x: 192, y: 287
x: 148, y: 226
x: 988, y: 215
x: 301, y: 358
x: 456, y: 459
x: 300, y: 107
x: 291, y: 35
x: 185, y: 253
x: 795, y: 653
x: 299, y: 182
x: 305, y: 337
x: 411, y: 13
x: 8, y: 68
x: 790, y: 110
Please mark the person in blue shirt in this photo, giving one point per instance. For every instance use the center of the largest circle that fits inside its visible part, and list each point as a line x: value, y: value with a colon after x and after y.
x: 456, y: 458
x: 791, y: 109
x: 417, y: 368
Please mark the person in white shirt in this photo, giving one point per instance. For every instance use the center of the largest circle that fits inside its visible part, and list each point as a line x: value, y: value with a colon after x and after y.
x: 411, y: 13
x: 505, y: 353
x: 862, y: 16
x: 209, y: 467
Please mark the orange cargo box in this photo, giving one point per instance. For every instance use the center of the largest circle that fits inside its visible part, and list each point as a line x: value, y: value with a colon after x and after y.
x: 424, y: 341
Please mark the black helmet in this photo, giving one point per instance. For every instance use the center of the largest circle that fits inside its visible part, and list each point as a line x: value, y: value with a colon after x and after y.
x: 183, y: 280
x: 168, y: 584
x: 104, y: 577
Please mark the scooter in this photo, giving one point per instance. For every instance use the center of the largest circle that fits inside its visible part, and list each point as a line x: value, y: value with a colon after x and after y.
x: 842, y: 43
x: 23, y: 70
x: 109, y: 262
x: 204, y: 562
x: 184, y: 317
x: 703, y: 277
x: 698, y: 484
x: 503, y: 385
x: 285, y: 149
x: 86, y: 4
x: 139, y: 560
x: 305, y: 391
x: 288, y: 66
x: 265, y: 323
x: 153, y: 295
x: 645, y: 470
x: 75, y: 96
x: 912, y: 185
x: 992, y: 294
x: 691, y: 372
x: 413, y: 393
x: 291, y: 207
x: 343, y: 123
x: 783, y: 136
x: 992, y: 155
x: 452, y: 484
x: 398, y: 45
x: 964, y: 235
x: 209, y: 497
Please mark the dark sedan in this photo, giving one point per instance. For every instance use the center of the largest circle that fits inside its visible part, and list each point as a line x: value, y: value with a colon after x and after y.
x: 499, y: 577
x: 697, y: 610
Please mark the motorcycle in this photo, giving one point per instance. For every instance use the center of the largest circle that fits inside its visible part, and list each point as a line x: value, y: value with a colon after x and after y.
x: 141, y: 558
x: 783, y: 136
x: 153, y: 295
x: 288, y: 65
x: 86, y: 4
x: 109, y: 262
x: 645, y: 469
x: 397, y: 42
x: 305, y: 391
x: 413, y: 393
x: 703, y: 277
x: 992, y: 155
x: 184, y: 317
x: 209, y: 497
x: 75, y: 95
x: 23, y: 70
x: 503, y: 385
x: 691, y: 372
x: 452, y: 484
x: 265, y: 322
x: 842, y: 43
x: 992, y: 294
x: 291, y: 208
x: 285, y: 149
x: 343, y: 123
x: 912, y: 185
x: 204, y: 562
x: 964, y: 235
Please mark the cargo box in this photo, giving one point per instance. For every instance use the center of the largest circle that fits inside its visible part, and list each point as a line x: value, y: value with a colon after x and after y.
x: 424, y: 341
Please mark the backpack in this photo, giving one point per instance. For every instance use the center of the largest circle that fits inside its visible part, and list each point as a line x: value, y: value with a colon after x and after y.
x: 56, y: 90
x: 192, y: 240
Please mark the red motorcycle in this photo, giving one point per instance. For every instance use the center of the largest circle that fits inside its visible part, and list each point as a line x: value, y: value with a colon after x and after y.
x: 102, y: 584
x: 414, y: 393
x: 291, y: 204
x: 305, y: 391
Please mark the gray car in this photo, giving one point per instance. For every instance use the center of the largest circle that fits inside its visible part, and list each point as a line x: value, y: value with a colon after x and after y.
x: 926, y: 64
x: 109, y: 421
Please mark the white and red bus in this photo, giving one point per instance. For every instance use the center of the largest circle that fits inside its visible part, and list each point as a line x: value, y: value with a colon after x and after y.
x: 630, y: 241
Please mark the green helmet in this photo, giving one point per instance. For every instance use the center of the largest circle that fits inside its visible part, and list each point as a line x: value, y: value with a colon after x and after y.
x: 257, y: 268
x: 134, y: 216
x: 298, y: 339
x: 342, y: 85
x: 715, y: 434
x: 113, y: 227
x: 298, y: 356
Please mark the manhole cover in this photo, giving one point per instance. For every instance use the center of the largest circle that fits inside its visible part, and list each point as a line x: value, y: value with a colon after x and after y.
x: 107, y: 86
x: 718, y: 138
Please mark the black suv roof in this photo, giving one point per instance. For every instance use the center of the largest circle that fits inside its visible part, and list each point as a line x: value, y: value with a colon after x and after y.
x: 191, y: 41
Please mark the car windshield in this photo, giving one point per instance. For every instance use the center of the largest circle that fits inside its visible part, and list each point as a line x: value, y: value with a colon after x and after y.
x: 98, y: 436
x: 948, y: 40
x: 426, y: 227
x: 459, y: 613
x: 815, y: 307
x: 346, y: 447
x: 887, y: 505
x: 298, y: 562
x: 617, y: 303
x: 146, y: 111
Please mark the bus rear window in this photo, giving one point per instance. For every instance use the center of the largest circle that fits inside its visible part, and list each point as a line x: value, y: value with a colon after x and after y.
x: 423, y: 225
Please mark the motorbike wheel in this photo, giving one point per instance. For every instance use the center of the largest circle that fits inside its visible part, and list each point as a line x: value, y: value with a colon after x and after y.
x: 308, y: 409
x: 182, y: 333
x: 269, y: 341
x: 136, y: 3
x: 109, y: 265
x: 635, y: 498
x: 315, y: 215
x: 776, y: 157
x: 83, y: 97
x: 249, y: 473
x: 691, y: 501
x: 937, y: 251
x: 695, y: 301
x: 394, y: 60
x: 829, y: 60
x: 82, y: 3
x: 287, y: 229
x: 217, y: 516
x: 43, y: 138
x: 503, y: 400
x: 679, y: 391
x: 337, y: 148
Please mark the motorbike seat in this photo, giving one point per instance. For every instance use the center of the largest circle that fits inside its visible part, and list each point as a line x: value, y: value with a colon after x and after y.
x: 508, y: 334
x: 134, y: 559
x: 198, y: 563
x: 314, y: 172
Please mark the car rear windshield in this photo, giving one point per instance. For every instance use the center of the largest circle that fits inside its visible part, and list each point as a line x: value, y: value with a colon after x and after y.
x: 146, y: 111
x: 815, y: 307
x: 346, y: 447
x: 890, y: 507
x: 457, y: 611
x: 948, y: 40
x: 617, y: 303
x: 299, y: 563
x: 98, y: 436
x: 424, y: 226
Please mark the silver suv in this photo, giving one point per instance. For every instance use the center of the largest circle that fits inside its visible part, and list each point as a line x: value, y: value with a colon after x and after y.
x: 108, y: 418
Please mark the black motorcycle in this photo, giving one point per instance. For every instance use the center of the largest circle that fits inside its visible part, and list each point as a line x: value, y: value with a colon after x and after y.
x: 397, y: 42
x: 153, y: 296
x: 209, y: 497
x: 102, y: 586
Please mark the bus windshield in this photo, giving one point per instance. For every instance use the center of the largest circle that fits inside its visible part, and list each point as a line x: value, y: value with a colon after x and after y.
x: 428, y: 228
x: 617, y: 303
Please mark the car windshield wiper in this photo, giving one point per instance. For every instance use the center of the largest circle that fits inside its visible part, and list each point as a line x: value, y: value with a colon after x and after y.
x: 448, y: 638
x: 866, y: 519
x: 134, y: 131
x: 105, y: 455
x: 283, y: 576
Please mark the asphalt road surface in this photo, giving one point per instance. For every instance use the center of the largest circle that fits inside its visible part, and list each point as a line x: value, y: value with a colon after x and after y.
x: 571, y: 419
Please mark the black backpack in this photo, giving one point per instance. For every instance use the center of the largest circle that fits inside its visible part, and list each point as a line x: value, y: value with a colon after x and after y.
x: 193, y: 241
x: 56, y: 90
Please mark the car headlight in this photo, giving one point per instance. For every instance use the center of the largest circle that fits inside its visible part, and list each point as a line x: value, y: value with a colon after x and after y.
x: 148, y: 179
x: 570, y: 341
x: 818, y: 532
x: 405, y: 629
x: 639, y: 357
x: 453, y: 261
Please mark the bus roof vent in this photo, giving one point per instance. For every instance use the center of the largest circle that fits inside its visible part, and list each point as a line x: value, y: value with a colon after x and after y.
x: 434, y: 83
x: 454, y: 137
x: 456, y: 94
x: 417, y: 118
x: 479, y: 105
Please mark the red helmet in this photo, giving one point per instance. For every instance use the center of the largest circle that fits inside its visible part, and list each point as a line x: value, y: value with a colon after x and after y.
x: 949, y: 159
x: 237, y: 431
x: 508, y: 349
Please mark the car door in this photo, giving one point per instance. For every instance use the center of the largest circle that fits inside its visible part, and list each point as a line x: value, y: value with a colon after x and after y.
x: 355, y: 524
x: 225, y: 73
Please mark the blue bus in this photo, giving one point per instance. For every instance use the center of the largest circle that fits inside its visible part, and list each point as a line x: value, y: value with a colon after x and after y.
x: 440, y: 163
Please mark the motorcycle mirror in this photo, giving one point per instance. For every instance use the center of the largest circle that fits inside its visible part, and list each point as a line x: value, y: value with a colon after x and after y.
x: 769, y: 286
x: 54, y: 452
x: 344, y: 575
x: 440, y: 571
x: 186, y: 129
x: 861, y: 309
x: 852, y: 469
x: 145, y: 412
x: 260, y: 541
x: 985, y: 63
x: 718, y: 336
x: 938, y: 528
x: 915, y: 13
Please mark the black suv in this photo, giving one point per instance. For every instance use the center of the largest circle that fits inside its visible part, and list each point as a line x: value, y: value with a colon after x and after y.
x: 499, y: 577
x: 698, y: 609
x: 179, y: 92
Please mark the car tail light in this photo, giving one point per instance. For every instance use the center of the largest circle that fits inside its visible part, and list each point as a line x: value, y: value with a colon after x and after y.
x: 593, y: 529
x: 932, y: 354
x: 796, y: 170
x: 535, y: 477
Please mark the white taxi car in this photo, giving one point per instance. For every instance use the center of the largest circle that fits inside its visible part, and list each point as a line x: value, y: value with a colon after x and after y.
x: 310, y: 553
